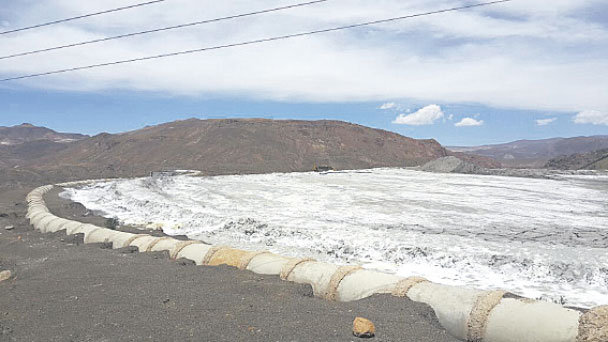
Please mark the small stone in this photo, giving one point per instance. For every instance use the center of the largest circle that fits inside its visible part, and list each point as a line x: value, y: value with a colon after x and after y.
x: 9, y: 227
x: 593, y: 325
x: 5, y: 275
x: 363, y: 328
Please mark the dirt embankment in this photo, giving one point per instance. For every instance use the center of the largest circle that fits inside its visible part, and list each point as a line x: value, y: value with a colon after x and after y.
x: 63, y: 290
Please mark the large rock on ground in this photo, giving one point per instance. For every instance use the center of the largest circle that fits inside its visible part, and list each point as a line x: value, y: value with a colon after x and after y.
x: 5, y: 275
x: 450, y: 164
x: 363, y: 328
x: 593, y: 325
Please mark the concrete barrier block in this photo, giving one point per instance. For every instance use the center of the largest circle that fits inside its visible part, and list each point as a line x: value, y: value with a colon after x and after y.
x: 267, y: 264
x: 122, y: 239
x: 246, y: 259
x: 143, y: 242
x: 36, y: 209
x: 35, y: 220
x: 101, y: 235
x: 452, y: 305
x: 317, y: 274
x: 56, y: 225
x: 51, y: 223
x: 525, y: 320
x: 72, y: 227
x: 37, y: 215
x: 37, y: 206
x: 85, y: 229
x: 364, y: 283
x: 196, y: 252
x: 41, y: 224
x: 164, y: 245
x: 227, y: 256
x: 181, y: 245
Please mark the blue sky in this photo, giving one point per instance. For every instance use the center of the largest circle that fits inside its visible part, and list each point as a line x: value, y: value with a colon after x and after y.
x: 468, y: 78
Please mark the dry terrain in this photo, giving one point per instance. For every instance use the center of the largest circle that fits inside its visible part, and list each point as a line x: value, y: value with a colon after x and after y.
x: 536, y: 153
x: 221, y: 147
x: 63, y: 290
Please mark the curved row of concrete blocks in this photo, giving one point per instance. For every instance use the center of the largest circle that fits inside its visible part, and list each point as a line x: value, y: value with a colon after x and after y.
x: 468, y: 314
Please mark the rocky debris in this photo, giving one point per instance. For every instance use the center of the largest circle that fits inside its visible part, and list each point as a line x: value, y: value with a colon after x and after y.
x: 593, y: 325
x: 596, y: 160
x: 363, y: 328
x: 4, y: 330
x: 9, y: 227
x: 5, y: 275
x: 535, y: 153
x: 450, y: 164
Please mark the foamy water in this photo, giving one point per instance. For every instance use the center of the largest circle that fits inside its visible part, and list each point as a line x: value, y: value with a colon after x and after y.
x: 538, y: 238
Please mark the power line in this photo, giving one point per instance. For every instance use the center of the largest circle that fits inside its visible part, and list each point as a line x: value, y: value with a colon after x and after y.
x: 276, y: 9
x: 257, y: 41
x: 82, y: 16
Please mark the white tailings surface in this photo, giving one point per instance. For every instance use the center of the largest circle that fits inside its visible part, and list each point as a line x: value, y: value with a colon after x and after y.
x: 539, y: 238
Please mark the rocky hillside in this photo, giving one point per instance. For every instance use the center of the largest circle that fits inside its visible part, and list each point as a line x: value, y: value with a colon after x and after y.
x: 237, y: 146
x: 596, y: 160
x: 24, y: 133
x: 19, y: 154
x: 536, y: 153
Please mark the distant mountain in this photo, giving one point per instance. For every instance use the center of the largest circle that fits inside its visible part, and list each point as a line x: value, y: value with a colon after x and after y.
x: 15, y: 155
x: 235, y: 146
x: 536, y: 153
x: 26, y: 133
x: 597, y: 160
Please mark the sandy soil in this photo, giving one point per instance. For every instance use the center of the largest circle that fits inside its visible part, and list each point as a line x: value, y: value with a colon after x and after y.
x: 63, y: 290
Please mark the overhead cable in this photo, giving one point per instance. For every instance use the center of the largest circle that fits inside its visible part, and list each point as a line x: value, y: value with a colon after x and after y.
x: 256, y: 41
x: 82, y: 16
x: 126, y: 35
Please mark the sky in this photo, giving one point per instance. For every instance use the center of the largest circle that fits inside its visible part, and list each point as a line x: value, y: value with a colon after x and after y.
x: 525, y: 69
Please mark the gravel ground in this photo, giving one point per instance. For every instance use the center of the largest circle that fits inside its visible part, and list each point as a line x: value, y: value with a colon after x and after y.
x: 63, y: 290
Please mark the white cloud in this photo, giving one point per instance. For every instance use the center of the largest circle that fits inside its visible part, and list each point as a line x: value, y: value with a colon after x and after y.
x: 594, y: 117
x: 451, y: 117
x: 545, y: 122
x: 468, y: 122
x: 388, y: 105
x: 448, y: 58
x: 424, y: 116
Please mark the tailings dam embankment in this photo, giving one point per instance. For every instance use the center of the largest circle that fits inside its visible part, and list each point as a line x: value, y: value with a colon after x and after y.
x: 539, y: 238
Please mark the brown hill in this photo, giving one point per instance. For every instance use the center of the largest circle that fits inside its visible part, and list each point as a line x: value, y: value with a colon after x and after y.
x: 596, y: 160
x: 222, y: 147
x: 536, y: 153
x: 242, y: 146
x: 26, y: 133
x: 19, y: 154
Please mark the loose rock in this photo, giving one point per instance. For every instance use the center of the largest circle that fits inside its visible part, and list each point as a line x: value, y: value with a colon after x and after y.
x: 363, y: 328
x: 5, y: 275
x: 9, y: 227
x: 593, y: 325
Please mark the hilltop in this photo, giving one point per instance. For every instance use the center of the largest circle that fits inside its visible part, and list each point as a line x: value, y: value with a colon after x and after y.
x: 536, y: 153
x: 231, y: 146
x: 596, y: 160
x: 26, y: 132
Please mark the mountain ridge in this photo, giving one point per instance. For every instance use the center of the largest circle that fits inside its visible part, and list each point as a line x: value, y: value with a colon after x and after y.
x: 26, y: 132
x: 233, y: 146
x: 535, y: 153
x: 596, y: 160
